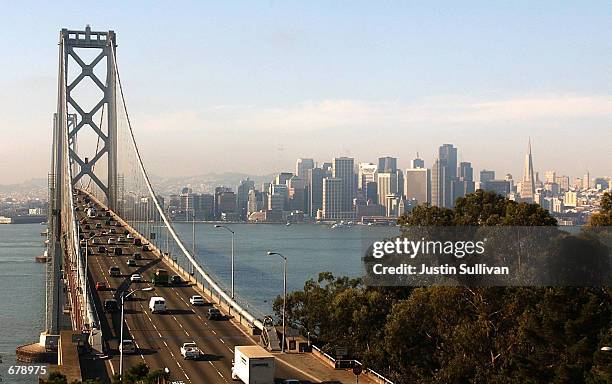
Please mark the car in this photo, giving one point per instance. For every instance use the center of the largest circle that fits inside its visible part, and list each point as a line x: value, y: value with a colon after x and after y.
x: 120, y: 239
x: 112, y: 230
x: 118, y: 251
x: 111, y: 240
x: 101, y: 249
x: 190, y: 351
x: 117, y: 224
x: 114, y: 271
x: 98, y: 225
x: 137, y: 242
x: 111, y: 305
x: 132, y: 263
x: 87, y: 227
x: 176, y: 280
x: 100, y: 286
x: 128, y: 346
x: 145, y: 248
x: 137, y: 256
x: 135, y: 278
x: 213, y: 314
x: 197, y: 300
x: 129, y: 236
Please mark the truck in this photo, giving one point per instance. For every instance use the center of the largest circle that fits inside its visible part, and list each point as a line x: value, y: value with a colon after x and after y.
x: 190, y: 351
x: 160, y: 277
x: 253, y: 365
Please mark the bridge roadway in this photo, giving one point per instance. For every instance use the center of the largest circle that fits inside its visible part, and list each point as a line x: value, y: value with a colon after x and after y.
x: 159, y: 336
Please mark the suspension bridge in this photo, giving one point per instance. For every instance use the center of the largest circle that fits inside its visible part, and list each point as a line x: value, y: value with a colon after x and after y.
x: 102, y: 207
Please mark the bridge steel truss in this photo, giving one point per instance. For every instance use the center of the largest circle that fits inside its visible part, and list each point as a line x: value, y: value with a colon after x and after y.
x: 66, y: 269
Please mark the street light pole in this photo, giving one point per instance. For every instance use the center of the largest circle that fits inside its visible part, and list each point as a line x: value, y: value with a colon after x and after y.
x: 123, y: 297
x: 233, y: 233
x: 284, y: 294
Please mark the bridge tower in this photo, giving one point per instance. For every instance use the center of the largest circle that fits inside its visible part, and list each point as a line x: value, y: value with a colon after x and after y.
x: 68, y: 166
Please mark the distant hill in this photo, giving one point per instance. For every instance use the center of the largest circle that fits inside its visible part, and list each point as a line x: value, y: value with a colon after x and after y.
x: 204, y: 183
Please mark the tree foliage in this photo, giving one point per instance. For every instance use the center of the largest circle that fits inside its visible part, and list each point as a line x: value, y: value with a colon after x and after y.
x: 464, y: 335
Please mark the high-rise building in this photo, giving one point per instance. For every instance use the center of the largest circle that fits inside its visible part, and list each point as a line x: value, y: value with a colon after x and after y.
x: 564, y: 182
x: 371, y: 192
x: 302, y: 166
x: 367, y: 174
x: 242, y: 196
x: 486, y: 175
x: 296, y: 188
x: 333, y: 198
x: 314, y: 184
x: 282, y: 178
x: 387, y: 164
x: 438, y: 186
x: 501, y: 187
x: 417, y: 162
x: 278, y: 197
x: 550, y: 177
x: 387, y: 185
x: 466, y: 172
x: 255, y: 203
x: 586, y: 181
x: 344, y: 168
x: 418, y: 185
x: 528, y: 182
x: 448, y: 157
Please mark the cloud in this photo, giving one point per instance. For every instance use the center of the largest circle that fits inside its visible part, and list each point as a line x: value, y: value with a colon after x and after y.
x: 340, y: 113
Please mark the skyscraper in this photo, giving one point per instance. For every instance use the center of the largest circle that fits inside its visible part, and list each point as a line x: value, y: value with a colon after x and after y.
x: 448, y: 157
x: 439, y: 186
x: 242, y: 196
x: 387, y: 185
x: 367, y: 173
x: 387, y: 164
x: 417, y: 162
x: 466, y: 172
x: 418, y: 185
x: 486, y: 175
x: 344, y: 168
x: 528, y: 183
x: 314, y: 184
x: 333, y: 198
x: 303, y: 165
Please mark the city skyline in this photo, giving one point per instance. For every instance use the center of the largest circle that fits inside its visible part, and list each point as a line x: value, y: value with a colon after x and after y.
x: 319, y: 87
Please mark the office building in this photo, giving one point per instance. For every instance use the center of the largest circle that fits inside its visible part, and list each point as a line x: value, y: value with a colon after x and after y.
x: 314, y: 185
x: 417, y: 162
x: 302, y: 166
x: 366, y: 174
x: 528, y: 183
x: 387, y: 185
x: 486, y: 176
x: 242, y: 196
x: 343, y: 168
x: 387, y: 164
x: 333, y: 198
x: 418, y: 185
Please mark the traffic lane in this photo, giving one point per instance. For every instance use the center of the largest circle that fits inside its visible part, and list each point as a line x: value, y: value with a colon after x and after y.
x: 217, y: 353
x: 217, y: 336
x: 99, y: 267
x: 166, y: 332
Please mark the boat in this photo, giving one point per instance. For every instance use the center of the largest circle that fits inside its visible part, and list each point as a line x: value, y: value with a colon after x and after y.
x: 288, y: 224
x: 42, y: 258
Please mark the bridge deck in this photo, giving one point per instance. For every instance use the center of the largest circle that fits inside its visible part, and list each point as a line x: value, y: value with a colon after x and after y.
x: 159, y: 336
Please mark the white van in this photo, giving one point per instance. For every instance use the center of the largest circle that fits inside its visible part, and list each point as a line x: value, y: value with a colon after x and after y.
x: 157, y: 304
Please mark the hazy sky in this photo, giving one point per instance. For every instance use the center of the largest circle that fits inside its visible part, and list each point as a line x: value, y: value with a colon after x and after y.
x: 251, y: 86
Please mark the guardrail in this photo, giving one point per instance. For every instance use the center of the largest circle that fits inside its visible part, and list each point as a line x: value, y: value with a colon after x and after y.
x: 345, y: 364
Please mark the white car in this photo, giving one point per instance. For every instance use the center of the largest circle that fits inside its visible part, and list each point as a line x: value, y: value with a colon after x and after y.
x: 197, y: 300
x: 120, y: 239
x: 191, y: 351
x: 111, y: 240
x: 129, y: 236
x: 136, y: 278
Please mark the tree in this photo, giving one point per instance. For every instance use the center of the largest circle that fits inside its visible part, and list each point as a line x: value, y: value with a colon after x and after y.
x: 604, y: 216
